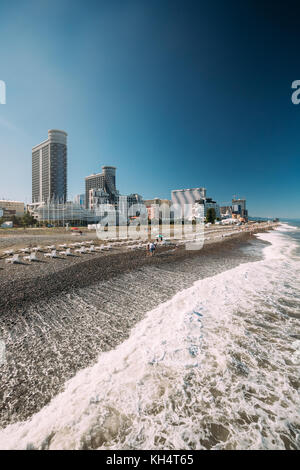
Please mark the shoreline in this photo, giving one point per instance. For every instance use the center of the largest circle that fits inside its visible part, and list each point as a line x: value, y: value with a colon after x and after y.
x: 23, y: 284
x: 65, y: 324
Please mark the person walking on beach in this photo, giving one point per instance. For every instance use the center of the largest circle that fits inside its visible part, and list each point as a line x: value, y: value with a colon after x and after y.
x: 151, y: 248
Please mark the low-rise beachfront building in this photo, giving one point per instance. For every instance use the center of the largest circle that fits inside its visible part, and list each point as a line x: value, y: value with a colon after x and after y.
x: 71, y: 213
x: 62, y: 214
x: 12, y: 208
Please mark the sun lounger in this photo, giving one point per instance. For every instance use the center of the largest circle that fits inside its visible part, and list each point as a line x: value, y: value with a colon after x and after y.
x: 31, y: 257
x: 81, y: 250
x: 51, y: 255
x: 14, y: 259
x: 67, y: 252
x: 98, y: 248
x: 91, y: 249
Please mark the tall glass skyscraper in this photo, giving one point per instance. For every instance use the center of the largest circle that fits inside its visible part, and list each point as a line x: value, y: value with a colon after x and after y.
x: 49, y: 168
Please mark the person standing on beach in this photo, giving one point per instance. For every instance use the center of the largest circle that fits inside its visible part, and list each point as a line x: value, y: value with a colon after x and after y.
x: 151, y: 248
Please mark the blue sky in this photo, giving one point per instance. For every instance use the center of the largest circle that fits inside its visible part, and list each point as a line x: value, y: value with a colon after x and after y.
x: 175, y: 94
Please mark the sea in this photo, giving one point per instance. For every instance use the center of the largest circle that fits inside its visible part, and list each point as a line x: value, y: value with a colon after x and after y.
x: 214, y: 367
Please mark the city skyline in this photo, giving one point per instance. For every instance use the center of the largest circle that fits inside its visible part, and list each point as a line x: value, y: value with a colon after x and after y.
x: 173, y: 97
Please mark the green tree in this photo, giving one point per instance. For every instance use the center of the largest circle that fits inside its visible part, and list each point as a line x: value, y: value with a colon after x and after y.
x: 28, y: 219
x: 210, y: 215
x: 17, y: 221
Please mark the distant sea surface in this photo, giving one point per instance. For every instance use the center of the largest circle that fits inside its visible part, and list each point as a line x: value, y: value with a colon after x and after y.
x: 215, y: 367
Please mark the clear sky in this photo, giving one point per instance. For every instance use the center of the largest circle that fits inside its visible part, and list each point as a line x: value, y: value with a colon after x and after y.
x: 176, y: 94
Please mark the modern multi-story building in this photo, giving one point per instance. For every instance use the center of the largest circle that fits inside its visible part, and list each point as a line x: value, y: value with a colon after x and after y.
x: 105, y: 181
x: 100, y: 190
x: 239, y: 207
x: 49, y: 168
x: 200, y: 208
x: 12, y: 208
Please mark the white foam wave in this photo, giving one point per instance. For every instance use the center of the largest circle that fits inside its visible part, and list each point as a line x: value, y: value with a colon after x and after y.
x: 287, y: 227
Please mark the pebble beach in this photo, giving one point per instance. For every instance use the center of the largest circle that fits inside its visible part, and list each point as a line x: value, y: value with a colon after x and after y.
x: 58, y: 315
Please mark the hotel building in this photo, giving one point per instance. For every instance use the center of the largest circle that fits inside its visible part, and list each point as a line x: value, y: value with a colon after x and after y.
x: 49, y: 168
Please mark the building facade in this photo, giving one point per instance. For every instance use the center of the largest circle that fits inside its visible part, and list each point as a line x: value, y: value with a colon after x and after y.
x: 226, y: 211
x: 105, y: 181
x: 187, y: 196
x: 97, y: 197
x: 63, y: 213
x: 80, y: 199
x: 239, y: 208
x: 200, y: 208
x: 184, y: 199
x: 159, y: 209
x: 12, y: 208
x: 49, y: 168
x: 135, y: 206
